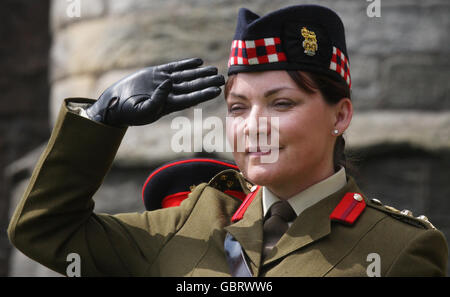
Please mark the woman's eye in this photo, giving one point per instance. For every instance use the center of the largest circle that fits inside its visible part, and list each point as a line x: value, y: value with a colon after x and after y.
x: 283, y: 103
x: 235, y: 108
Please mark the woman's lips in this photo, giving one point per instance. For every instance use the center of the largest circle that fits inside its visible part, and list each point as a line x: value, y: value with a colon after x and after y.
x: 258, y: 153
x: 261, y: 151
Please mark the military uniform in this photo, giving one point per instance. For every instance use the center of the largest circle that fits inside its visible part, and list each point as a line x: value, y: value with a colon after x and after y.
x: 55, y: 218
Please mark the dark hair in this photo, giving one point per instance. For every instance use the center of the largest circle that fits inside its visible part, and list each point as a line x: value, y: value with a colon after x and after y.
x: 331, y: 90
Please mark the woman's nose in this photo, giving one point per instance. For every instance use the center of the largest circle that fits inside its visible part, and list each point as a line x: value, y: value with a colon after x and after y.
x: 257, y: 123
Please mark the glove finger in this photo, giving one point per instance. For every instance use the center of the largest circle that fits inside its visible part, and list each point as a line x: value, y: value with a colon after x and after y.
x: 198, y: 84
x: 181, y: 65
x: 179, y: 102
x: 191, y: 74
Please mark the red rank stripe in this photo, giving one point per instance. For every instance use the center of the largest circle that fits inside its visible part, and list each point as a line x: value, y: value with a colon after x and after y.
x: 348, y: 210
x: 239, y: 214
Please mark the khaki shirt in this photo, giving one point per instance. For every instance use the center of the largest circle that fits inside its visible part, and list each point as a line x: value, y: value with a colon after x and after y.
x: 55, y: 218
x: 309, y: 196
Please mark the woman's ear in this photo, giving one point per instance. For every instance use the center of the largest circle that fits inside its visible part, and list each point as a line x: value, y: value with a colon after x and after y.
x: 343, y: 115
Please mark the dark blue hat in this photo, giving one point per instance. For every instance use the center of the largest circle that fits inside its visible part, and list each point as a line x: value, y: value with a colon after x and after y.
x: 303, y: 37
x: 172, y: 182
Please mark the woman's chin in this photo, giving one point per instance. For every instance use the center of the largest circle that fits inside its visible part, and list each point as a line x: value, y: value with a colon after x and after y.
x: 261, y: 174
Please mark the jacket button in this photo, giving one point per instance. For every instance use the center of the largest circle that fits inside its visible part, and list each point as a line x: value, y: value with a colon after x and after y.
x: 406, y: 212
x: 376, y: 201
x: 422, y: 217
x: 357, y: 197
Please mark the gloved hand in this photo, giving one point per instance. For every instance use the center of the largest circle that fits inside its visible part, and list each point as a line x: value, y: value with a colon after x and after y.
x: 145, y: 96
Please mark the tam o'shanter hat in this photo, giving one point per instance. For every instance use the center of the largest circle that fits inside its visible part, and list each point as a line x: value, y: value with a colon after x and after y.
x: 303, y: 37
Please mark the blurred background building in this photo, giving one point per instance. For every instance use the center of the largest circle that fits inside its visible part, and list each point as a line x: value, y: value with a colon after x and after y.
x: 50, y: 50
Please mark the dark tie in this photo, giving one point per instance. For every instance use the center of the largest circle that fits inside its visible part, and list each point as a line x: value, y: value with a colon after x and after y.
x: 276, y: 224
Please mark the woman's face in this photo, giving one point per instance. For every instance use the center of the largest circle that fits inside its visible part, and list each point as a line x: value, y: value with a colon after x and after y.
x: 305, y: 124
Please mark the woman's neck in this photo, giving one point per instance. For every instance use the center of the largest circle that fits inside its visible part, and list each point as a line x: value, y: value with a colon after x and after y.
x: 288, y: 188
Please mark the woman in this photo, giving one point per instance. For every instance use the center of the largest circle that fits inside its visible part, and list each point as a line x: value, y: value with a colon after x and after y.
x: 290, y: 67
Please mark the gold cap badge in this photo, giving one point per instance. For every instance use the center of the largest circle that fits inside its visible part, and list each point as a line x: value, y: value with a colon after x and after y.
x: 310, y: 42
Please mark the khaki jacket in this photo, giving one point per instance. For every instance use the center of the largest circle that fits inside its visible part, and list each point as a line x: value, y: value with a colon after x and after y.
x: 55, y: 218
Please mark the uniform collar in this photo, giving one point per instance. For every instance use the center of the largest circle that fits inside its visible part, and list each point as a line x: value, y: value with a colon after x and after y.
x: 310, y: 226
x: 310, y: 196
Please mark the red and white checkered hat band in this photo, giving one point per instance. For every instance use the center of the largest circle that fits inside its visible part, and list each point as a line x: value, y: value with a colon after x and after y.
x: 253, y: 52
x: 339, y: 63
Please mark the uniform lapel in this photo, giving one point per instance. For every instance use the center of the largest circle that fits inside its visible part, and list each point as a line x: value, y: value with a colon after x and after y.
x: 310, y: 226
x: 312, y: 232
x: 249, y: 231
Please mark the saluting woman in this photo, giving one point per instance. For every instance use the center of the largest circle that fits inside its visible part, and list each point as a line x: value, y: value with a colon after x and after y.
x: 302, y: 214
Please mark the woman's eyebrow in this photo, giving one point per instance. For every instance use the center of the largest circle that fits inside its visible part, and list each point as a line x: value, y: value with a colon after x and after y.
x: 276, y: 90
x: 238, y: 96
x: 266, y: 93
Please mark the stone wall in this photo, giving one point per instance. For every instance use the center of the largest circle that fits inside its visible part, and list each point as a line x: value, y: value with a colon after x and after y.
x: 400, y: 134
x: 24, y: 93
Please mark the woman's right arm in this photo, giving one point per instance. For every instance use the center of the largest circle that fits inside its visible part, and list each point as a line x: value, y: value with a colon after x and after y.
x: 55, y: 215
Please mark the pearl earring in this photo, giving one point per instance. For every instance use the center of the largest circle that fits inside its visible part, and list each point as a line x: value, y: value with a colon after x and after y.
x: 335, y: 132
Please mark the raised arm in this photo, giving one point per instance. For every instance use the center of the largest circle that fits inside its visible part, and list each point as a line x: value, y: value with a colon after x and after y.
x: 55, y: 215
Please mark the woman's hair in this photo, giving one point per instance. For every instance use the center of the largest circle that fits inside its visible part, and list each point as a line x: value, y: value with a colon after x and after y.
x: 331, y: 90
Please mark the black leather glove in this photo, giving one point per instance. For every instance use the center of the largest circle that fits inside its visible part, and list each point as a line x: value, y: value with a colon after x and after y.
x: 145, y: 96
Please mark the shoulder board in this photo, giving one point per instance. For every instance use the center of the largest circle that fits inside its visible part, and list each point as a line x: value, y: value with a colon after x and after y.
x: 405, y: 215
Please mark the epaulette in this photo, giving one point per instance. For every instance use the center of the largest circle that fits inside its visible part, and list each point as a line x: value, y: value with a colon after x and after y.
x: 231, y: 182
x: 405, y: 215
